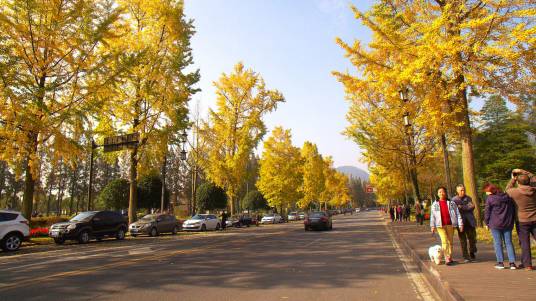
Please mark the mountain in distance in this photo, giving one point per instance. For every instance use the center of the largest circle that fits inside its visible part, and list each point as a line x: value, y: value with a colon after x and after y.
x: 352, y: 171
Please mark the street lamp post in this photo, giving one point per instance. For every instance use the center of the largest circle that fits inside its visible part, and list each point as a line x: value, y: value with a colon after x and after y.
x: 409, y: 134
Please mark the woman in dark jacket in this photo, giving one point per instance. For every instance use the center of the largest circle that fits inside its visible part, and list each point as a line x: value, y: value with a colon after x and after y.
x: 499, y: 217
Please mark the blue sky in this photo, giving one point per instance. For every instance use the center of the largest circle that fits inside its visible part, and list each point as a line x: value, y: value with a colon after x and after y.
x: 291, y: 43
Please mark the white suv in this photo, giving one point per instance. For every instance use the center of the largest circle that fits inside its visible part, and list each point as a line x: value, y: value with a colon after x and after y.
x: 14, y: 228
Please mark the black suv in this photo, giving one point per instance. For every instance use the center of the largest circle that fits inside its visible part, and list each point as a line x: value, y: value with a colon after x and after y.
x: 90, y: 224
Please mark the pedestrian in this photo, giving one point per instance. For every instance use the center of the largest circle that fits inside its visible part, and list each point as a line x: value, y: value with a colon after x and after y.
x: 418, y: 213
x: 407, y: 213
x: 466, y: 207
x: 524, y: 195
x: 499, y: 216
x: 223, y: 220
x: 392, y: 213
x: 399, y: 213
x: 444, y: 217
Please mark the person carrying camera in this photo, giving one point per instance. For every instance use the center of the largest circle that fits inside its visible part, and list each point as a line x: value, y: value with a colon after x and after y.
x: 524, y: 195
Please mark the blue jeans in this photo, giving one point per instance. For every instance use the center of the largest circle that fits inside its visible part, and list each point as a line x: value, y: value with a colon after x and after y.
x: 498, y: 237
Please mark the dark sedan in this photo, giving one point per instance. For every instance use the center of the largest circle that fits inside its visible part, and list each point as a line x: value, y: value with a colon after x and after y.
x: 318, y: 220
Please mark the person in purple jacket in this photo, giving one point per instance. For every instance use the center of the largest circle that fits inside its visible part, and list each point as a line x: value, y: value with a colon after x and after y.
x: 499, y: 216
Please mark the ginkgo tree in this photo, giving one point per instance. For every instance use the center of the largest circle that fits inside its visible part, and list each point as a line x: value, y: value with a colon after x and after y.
x: 314, y: 180
x: 151, y: 96
x: 51, y: 54
x: 280, y: 172
x: 236, y: 127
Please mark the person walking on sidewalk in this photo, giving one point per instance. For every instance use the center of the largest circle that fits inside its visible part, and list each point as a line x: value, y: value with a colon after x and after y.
x: 444, y: 217
x: 524, y: 196
x: 499, y: 216
x: 466, y: 207
x: 419, y: 216
x: 407, y: 213
x: 399, y: 213
x: 392, y: 213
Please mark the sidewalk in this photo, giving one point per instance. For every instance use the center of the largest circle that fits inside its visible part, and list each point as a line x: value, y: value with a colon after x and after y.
x: 472, y: 281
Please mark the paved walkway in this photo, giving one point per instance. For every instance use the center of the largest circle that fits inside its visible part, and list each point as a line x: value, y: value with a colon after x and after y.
x: 472, y: 281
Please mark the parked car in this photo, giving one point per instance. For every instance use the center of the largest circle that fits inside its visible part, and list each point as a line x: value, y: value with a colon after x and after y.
x: 293, y: 216
x: 271, y: 219
x: 154, y: 224
x: 90, y: 224
x: 202, y: 222
x: 318, y: 220
x: 241, y: 220
x: 301, y: 215
x: 14, y: 228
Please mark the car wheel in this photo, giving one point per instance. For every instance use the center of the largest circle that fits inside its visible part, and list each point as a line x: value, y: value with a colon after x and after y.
x: 217, y: 227
x: 99, y: 238
x: 133, y: 235
x: 203, y: 228
x: 306, y: 228
x: 11, y: 242
x: 153, y: 232
x: 248, y: 225
x: 83, y: 238
x: 175, y: 230
x: 59, y: 241
x: 120, y: 234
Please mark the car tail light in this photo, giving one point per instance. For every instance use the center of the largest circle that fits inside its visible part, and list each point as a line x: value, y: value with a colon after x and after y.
x: 25, y: 222
x: 324, y: 219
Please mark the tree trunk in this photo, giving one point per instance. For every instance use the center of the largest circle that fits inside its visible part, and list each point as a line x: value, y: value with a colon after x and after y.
x: 468, y: 162
x: 61, y: 188
x: 446, y: 165
x: 133, y: 196
x: 29, y: 178
x: 3, y: 169
x: 73, y: 188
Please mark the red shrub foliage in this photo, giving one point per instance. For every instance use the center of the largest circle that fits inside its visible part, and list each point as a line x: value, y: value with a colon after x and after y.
x: 39, y: 232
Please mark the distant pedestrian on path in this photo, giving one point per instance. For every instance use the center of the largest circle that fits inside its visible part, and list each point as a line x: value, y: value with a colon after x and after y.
x: 223, y: 220
x: 499, y: 216
x: 468, y: 235
x: 399, y: 213
x: 444, y: 217
x: 419, y: 216
x: 524, y: 196
x: 392, y: 213
x: 407, y: 213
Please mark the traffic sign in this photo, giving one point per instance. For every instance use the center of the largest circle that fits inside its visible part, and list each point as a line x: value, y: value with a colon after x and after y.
x: 117, y: 143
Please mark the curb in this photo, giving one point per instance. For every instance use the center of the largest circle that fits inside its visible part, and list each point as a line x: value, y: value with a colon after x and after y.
x: 432, y: 275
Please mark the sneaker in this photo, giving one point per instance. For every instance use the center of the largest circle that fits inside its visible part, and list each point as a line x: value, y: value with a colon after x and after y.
x: 513, y: 266
x: 466, y: 260
x: 499, y: 266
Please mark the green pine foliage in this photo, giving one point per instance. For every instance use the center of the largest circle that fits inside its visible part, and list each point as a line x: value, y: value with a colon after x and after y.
x: 211, y: 197
x: 502, y: 144
x: 254, y: 200
x: 114, y: 195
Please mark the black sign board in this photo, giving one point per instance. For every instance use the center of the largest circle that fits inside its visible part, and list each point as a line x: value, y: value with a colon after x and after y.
x: 117, y: 143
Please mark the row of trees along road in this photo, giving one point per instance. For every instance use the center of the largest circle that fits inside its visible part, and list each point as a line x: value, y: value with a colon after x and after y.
x: 440, y: 52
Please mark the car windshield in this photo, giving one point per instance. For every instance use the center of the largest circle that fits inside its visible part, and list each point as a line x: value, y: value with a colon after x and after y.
x: 83, y: 217
x: 148, y: 218
x: 317, y: 214
x: 198, y: 217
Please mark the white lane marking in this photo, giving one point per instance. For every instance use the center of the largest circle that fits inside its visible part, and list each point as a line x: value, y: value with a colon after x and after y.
x: 418, y: 281
x: 312, y: 242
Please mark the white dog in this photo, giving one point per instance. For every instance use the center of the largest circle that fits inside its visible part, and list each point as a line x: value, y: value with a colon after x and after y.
x: 435, y: 253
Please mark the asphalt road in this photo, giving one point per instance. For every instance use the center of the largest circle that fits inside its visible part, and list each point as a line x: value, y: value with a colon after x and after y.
x: 357, y: 260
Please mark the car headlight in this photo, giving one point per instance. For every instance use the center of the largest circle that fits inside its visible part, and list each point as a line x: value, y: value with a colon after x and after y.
x: 71, y: 227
